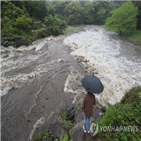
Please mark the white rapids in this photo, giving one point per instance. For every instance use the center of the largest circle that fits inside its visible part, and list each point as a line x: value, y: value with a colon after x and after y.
x: 104, y: 52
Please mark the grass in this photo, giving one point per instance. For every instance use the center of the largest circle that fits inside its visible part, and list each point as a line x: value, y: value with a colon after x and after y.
x: 136, y: 36
x: 71, y: 29
x: 133, y: 36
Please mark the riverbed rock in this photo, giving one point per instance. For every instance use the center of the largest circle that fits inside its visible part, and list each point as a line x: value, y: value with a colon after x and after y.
x: 70, y: 112
x: 7, y: 43
x: 57, y: 129
x: 15, y: 42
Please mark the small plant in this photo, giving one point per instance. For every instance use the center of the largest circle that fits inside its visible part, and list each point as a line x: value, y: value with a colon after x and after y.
x: 44, y: 135
x: 64, y: 120
x: 65, y: 138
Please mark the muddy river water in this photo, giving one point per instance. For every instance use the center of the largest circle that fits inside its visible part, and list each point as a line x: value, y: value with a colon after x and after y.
x: 37, y: 80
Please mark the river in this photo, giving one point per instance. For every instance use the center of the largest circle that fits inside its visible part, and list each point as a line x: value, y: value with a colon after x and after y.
x: 37, y: 80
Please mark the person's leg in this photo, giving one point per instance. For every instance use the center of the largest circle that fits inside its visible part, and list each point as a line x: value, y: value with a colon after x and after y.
x: 85, y: 122
x: 89, y: 124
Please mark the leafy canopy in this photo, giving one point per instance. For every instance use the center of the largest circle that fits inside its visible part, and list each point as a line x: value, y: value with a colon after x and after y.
x: 123, y: 19
x: 74, y: 12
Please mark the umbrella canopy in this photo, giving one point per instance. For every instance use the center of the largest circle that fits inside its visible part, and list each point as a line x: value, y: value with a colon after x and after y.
x: 92, y: 84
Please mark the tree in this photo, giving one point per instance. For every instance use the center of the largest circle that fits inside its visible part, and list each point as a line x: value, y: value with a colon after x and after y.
x: 123, y: 19
x: 138, y: 4
x: 88, y: 13
x: 54, y: 25
x: 74, y: 12
x: 102, y: 11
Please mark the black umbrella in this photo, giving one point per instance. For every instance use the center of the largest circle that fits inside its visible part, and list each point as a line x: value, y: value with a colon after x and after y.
x: 92, y: 84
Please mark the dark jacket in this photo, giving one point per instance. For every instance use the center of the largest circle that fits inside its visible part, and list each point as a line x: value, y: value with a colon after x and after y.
x: 88, y: 102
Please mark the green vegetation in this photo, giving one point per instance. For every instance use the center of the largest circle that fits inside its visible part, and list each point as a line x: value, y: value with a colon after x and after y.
x: 74, y: 12
x: 65, y: 138
x: 126, y: 113
x: 71, y: 29
x: 64, y: 120
x: 123, y: 19
x: 136, y: 36
x: 31, y: 20
x: 44, y: 135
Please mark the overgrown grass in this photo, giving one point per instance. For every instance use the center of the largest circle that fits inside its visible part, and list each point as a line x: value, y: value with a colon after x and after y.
x: 136, y: 36
x: 71, y: 29
x: 127, y: 115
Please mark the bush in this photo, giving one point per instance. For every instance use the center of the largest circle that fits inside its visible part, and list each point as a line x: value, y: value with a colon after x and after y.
x: 23, y: 23
x: 7, y: 27
x: 126, y: 113
x: 54, y: 25
x: 42, y: 33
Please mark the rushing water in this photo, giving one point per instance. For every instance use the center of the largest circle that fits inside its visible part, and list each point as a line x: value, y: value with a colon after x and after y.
x: 37, y: 80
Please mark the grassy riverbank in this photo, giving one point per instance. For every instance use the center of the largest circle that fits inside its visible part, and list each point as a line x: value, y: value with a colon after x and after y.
x: 122, y: 121
x: 135, y: 36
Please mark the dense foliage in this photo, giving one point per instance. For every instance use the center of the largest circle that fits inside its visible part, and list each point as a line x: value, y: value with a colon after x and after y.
x: 127, y: 113
x: 123, y: 19
x: 30, y: 20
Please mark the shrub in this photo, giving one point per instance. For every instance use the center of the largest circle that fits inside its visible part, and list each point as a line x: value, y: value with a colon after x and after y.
x: 127, y: 113
x: 54, y: 25
x: 7, y: 27
x: 23, y: 23
x: 42, y: 33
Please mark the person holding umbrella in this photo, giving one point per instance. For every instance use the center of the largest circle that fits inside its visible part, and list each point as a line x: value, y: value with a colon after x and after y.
x: 92, y: 84
x: 87, y: 108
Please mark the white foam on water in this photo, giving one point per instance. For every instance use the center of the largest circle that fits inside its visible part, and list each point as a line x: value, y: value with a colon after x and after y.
x: 19, y: 80
x: 118, y: 74
x: 73, y: 83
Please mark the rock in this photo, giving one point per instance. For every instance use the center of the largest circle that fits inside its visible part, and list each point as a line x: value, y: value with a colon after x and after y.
x: 70, y: 112
x: 57, y: 129
x: 78, y: 135
x: 2, y: 41
x: 8, y: 43
x: 21, y: 42
x: 77, y: 132
x: 104, y: 109
x: 15, y: 42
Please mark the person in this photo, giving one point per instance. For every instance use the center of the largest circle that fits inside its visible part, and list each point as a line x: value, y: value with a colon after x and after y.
x: 87, y: 109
